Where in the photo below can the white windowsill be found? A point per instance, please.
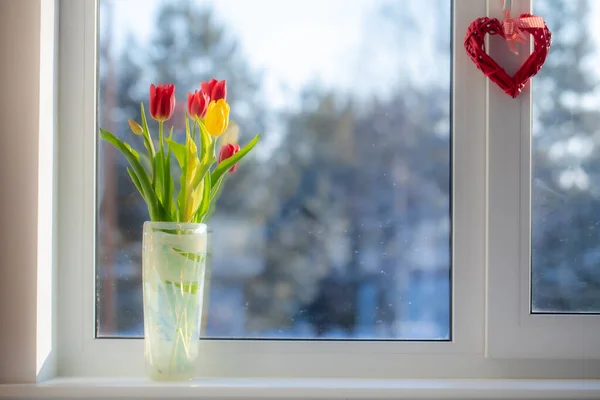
(260, 388)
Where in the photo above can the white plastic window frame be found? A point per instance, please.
(512, 330)
(81, 354)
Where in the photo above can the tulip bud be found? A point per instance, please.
(162, 101)
(135, 127)
(217, 117)
(227, 151)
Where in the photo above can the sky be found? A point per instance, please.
(297, 40)
(303, 40)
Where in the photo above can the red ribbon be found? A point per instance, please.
(512, 29)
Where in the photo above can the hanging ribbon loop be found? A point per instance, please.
(512, 27)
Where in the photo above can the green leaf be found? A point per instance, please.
(192, 179)
(145, 161)
(148, 141)
(201, 170)
(217, 188)
(158, 182)
(136, 182)
(234, 159)
(215, 193)
(206, 160)
(154, 208)
(145, 126)
(194, 201)
(148, 144)
(194, 131)
(182, 197)
(182, 153)
(172, 203)
(167, 179)
(132, 150)
(179, 150)
(205, 199)
(206, 145)
(187, 127)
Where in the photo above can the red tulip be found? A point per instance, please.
(197, 104)
(215, 89)
(227, 151)
(162, 101)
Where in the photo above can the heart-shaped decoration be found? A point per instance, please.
(475, 46)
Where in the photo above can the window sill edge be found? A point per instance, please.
(281, 388)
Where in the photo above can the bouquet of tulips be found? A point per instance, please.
(202, 172)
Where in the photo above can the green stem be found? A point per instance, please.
(161, 137)
(213, 146)
(166, 170)
(180, 315)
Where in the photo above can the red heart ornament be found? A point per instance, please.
(475, 46)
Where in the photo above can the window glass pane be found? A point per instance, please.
(566, 162)
(338, 225)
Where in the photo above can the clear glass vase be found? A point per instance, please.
(174, 260)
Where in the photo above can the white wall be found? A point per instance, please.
(26, 110)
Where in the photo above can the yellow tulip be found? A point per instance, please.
(217, 117)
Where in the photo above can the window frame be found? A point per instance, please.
(473, 320)
(513, 331)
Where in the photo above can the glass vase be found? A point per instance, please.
(207, 278)
(174, 260)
